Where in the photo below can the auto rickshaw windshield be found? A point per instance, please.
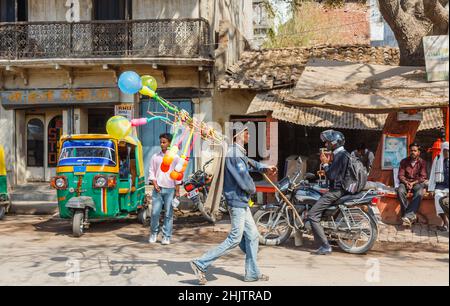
(89, 153)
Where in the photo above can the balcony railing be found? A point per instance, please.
(175, 38)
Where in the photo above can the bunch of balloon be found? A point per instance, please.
(119, 127)
(169, 158)
(131, 83)
(178, 173)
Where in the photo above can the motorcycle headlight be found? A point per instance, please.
(100, 182)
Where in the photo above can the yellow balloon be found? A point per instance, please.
(150, 82)
(145, 91)
(118, 127)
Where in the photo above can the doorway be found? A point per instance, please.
(112, 39)
(35, 151)
(97, 119)
(8, 10)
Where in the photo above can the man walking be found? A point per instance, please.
(238, 187)
(165, 189)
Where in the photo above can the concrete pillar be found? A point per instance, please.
(83, 113)
(20, 151)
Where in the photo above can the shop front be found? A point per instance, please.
(42, 116)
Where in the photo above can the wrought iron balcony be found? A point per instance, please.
(174, 38)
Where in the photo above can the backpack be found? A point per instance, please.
(356, 177)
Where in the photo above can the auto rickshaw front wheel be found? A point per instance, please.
(143, 216)
(78, 223)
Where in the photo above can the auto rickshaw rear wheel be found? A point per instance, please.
(78, 223)
(2, 211)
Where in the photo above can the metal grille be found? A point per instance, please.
(179, 38)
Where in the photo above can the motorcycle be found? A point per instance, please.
(351, 221)
(197, 187)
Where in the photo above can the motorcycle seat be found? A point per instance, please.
(350, 197)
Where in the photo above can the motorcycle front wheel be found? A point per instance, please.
(269, 232)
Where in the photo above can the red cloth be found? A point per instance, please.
(409, 173)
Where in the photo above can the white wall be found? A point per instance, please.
(165, 9)
(55, 10)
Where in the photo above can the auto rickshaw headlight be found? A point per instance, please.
(100, 182)
(59, 182)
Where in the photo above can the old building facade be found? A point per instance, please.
(60, 61)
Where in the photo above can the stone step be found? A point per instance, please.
(34, 207)
(33, 196)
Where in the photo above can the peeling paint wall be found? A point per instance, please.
(55, 10)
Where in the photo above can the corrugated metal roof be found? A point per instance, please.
(367, 88)
(281, 68)
(321, 117)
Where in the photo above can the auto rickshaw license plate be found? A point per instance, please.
(79, 170)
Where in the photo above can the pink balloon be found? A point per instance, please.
(139, 122)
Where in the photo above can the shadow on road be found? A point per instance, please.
(181, 268)
(64, 227)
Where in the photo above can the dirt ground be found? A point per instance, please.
(41, 251)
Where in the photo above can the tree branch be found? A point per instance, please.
(438, 15)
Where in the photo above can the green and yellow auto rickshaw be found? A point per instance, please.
(5, 201)
(99, 178)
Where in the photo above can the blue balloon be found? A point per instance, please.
(130, 83)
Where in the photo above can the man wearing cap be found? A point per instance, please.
(238, 188)
(439, 181)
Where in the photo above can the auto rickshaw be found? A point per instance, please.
(5, 201)
(99, 178)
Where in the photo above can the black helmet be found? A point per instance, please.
(334, 138)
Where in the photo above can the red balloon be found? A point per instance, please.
(165, 168)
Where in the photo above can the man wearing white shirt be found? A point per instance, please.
(165, 189)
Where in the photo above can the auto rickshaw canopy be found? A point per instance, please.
(2, 162)
(129, 140)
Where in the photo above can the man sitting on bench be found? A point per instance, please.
(412, 176)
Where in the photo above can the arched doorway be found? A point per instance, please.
(35, 148)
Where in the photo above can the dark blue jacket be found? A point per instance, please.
(238, 184)
(336, 172)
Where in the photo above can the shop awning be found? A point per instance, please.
(366, 88)
(274, 102)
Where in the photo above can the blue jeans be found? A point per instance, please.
(243, 233)
(160, 199)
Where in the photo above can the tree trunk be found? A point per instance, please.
(408, 30)
(411, 20)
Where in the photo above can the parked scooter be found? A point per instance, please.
(351, 222)
(197, 187)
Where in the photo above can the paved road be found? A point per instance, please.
(40, 251)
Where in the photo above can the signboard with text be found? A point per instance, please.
(436, 57)
(124, 110)
(26, 98)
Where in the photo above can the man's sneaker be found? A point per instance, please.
(323, 251)
(153, 238)
(165, 241)
(262, 278)
(406, 221)
(199, 274)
